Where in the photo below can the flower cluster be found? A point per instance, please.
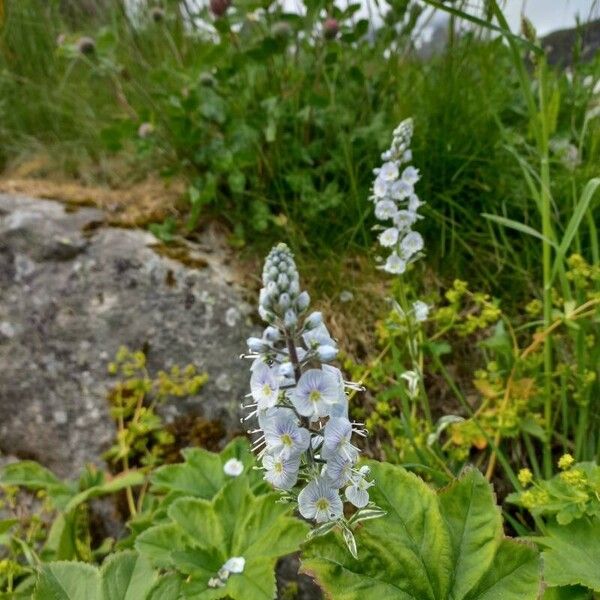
(393, 194)
(300, 401)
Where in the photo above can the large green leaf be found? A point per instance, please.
(572, 556)
(124, 576)
(427, 546)
(201, 474)
(205, 534)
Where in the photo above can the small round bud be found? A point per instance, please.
(283, 281)
(86, 45)
(331, 28)
(206, 79)
(266, 314)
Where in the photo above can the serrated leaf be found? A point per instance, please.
(572, 556)
(127, 576)
(426, 547)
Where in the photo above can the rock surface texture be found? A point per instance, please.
(71, 292)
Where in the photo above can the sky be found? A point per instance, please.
(549, 15)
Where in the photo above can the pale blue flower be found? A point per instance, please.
(338, 471)
(337, 440)
(410, 175)
(314, 394)
(380, 187)
(421, 310)
(319, 501)
(281, 473)
(264, 385)
(404, 219)
(327, 353)
(233, 467)
(389, 237)
(356, 492)
(394, 264)
(411, 244)
(414, 203)
(313, 320)
(388, 171)
(283, 434)
(319, 336)
(401, 189)
(385, 209)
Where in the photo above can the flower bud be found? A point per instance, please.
(326, 353)
(257, 345)
(145, 130)
(290, 320)
(284, 301)
(313, 320)
(283, 281)
(272, 334)
(303, 301)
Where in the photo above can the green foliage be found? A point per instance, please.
(201, 535)
(449, 545)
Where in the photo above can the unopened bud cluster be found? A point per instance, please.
(300, 401)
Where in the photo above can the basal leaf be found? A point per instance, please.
(572, 556)
(475, 526)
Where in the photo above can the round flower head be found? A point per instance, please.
(314, 394)
(283, 435)
(281, 473)
(411, 244)
(319, 501)
(264, 385)
(389, 237)
(385, 209)
(337, 436)
(394, 264)
(233, 467)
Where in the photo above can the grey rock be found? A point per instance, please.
(70, 294)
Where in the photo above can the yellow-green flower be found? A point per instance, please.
(525, 477)
(565, 461)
